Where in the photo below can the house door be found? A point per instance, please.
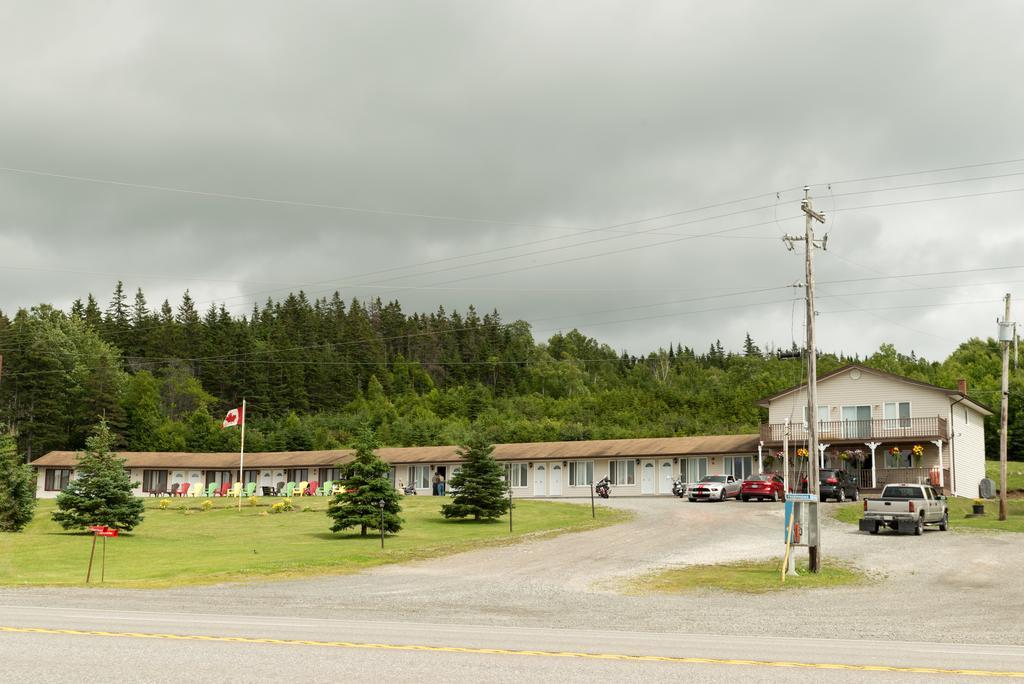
(555, 488)
(857, 422)
(665, 478)
(539, 480)
(647, 477)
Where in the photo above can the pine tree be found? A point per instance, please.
(101, 494)
(478, 489)
(364, 486)
(17, 487)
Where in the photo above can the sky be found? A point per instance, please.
(625, 168)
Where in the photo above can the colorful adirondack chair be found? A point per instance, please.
(211, 489)
(233, 490)
(311, 489)
(250, 489)
(325, 488)
(301, 489)
(289, 488)
(174, 489)
(184, 488)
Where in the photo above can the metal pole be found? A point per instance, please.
(103, 566)
(1003, 412)
(381, 504)
(241, 460)
(510, 509)
(593, 512)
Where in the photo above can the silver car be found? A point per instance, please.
(714, 488)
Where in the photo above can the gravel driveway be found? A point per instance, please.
(942, 586)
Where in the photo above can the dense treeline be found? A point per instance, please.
(314, 372)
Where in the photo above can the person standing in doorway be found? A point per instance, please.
(435, 484)
(440, 485)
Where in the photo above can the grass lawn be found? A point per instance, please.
(958, 510)
(175, 547)
(752, 577)
(1014, 474)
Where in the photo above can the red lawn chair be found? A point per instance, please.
(311, 489)
(184, 489)
(223, 491)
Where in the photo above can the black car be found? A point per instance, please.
(835, 484)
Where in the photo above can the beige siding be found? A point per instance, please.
(969, 446)
(868, 390)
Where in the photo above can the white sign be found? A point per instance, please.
(803, 497)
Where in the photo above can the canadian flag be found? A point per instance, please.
(234, 418)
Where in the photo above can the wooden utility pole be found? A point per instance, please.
(814, 558)
(1005, 335)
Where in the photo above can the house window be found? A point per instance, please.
(515, 474)
(219, 477)
(581, 473)
(897, 414)
(154, 480)
(330, 474)
(57, 479)
(622, 472)
(251, 476)
(822, 415)
(419, 476)
(740, 467)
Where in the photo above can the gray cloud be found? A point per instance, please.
(570, 114)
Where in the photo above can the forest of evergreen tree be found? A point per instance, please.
(314, 372)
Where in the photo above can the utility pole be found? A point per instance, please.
(1005, 335)
(814, 559)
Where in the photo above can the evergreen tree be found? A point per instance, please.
(365, 483)
(478, 489)
(17, 487)
(101, 494)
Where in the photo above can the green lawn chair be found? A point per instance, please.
(210, 489)
(325, 488)
(289, 488)
(250, 489)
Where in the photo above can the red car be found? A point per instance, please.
(761, 487)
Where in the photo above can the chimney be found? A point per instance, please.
(961, 386)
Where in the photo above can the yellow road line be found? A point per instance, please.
(515, 652)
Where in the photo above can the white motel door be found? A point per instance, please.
(539, 480)
(555, 488)
(647, 478)
(665, 478)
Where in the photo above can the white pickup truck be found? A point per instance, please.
(905, 508)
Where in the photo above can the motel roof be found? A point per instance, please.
(599, 448)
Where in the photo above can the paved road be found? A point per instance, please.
(553, 593)
(96, 645)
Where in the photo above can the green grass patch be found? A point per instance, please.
(749, 577)
(1014, 474)
(185, 545)
(959, 508)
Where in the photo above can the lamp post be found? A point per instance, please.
(381, 504)
(510, 508)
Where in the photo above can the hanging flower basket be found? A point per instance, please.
(801, 453)
(917, 452)
(894, 455)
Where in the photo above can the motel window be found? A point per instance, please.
(251, 476)
(622, 472)
(154, 480)
(515, 474)
(331, 474)
(897, 414)
(57, 479)
(298, 475)
(740, 467)
(419, 476)
(219, 477)
(581, 473)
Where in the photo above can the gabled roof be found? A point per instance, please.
(952, 394)
(651, 447)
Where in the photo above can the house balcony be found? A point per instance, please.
(885, 430)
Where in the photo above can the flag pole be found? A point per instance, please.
(241, 460)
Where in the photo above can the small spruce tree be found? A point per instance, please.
(17, 486)
(478, 489)
(101, 494)
(365, 483)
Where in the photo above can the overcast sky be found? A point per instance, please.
(509, 152)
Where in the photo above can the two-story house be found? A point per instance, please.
(884, 428)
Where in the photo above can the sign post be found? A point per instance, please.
(99, 531)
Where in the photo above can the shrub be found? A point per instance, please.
(278, 507)
(207, 505)
(253, 500)
(17, 487)
(165, 504)
(286, 504)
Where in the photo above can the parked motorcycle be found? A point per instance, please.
(679, 488)
(603, 488)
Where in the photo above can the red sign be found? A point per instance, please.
(108, 532)
(97, 528)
